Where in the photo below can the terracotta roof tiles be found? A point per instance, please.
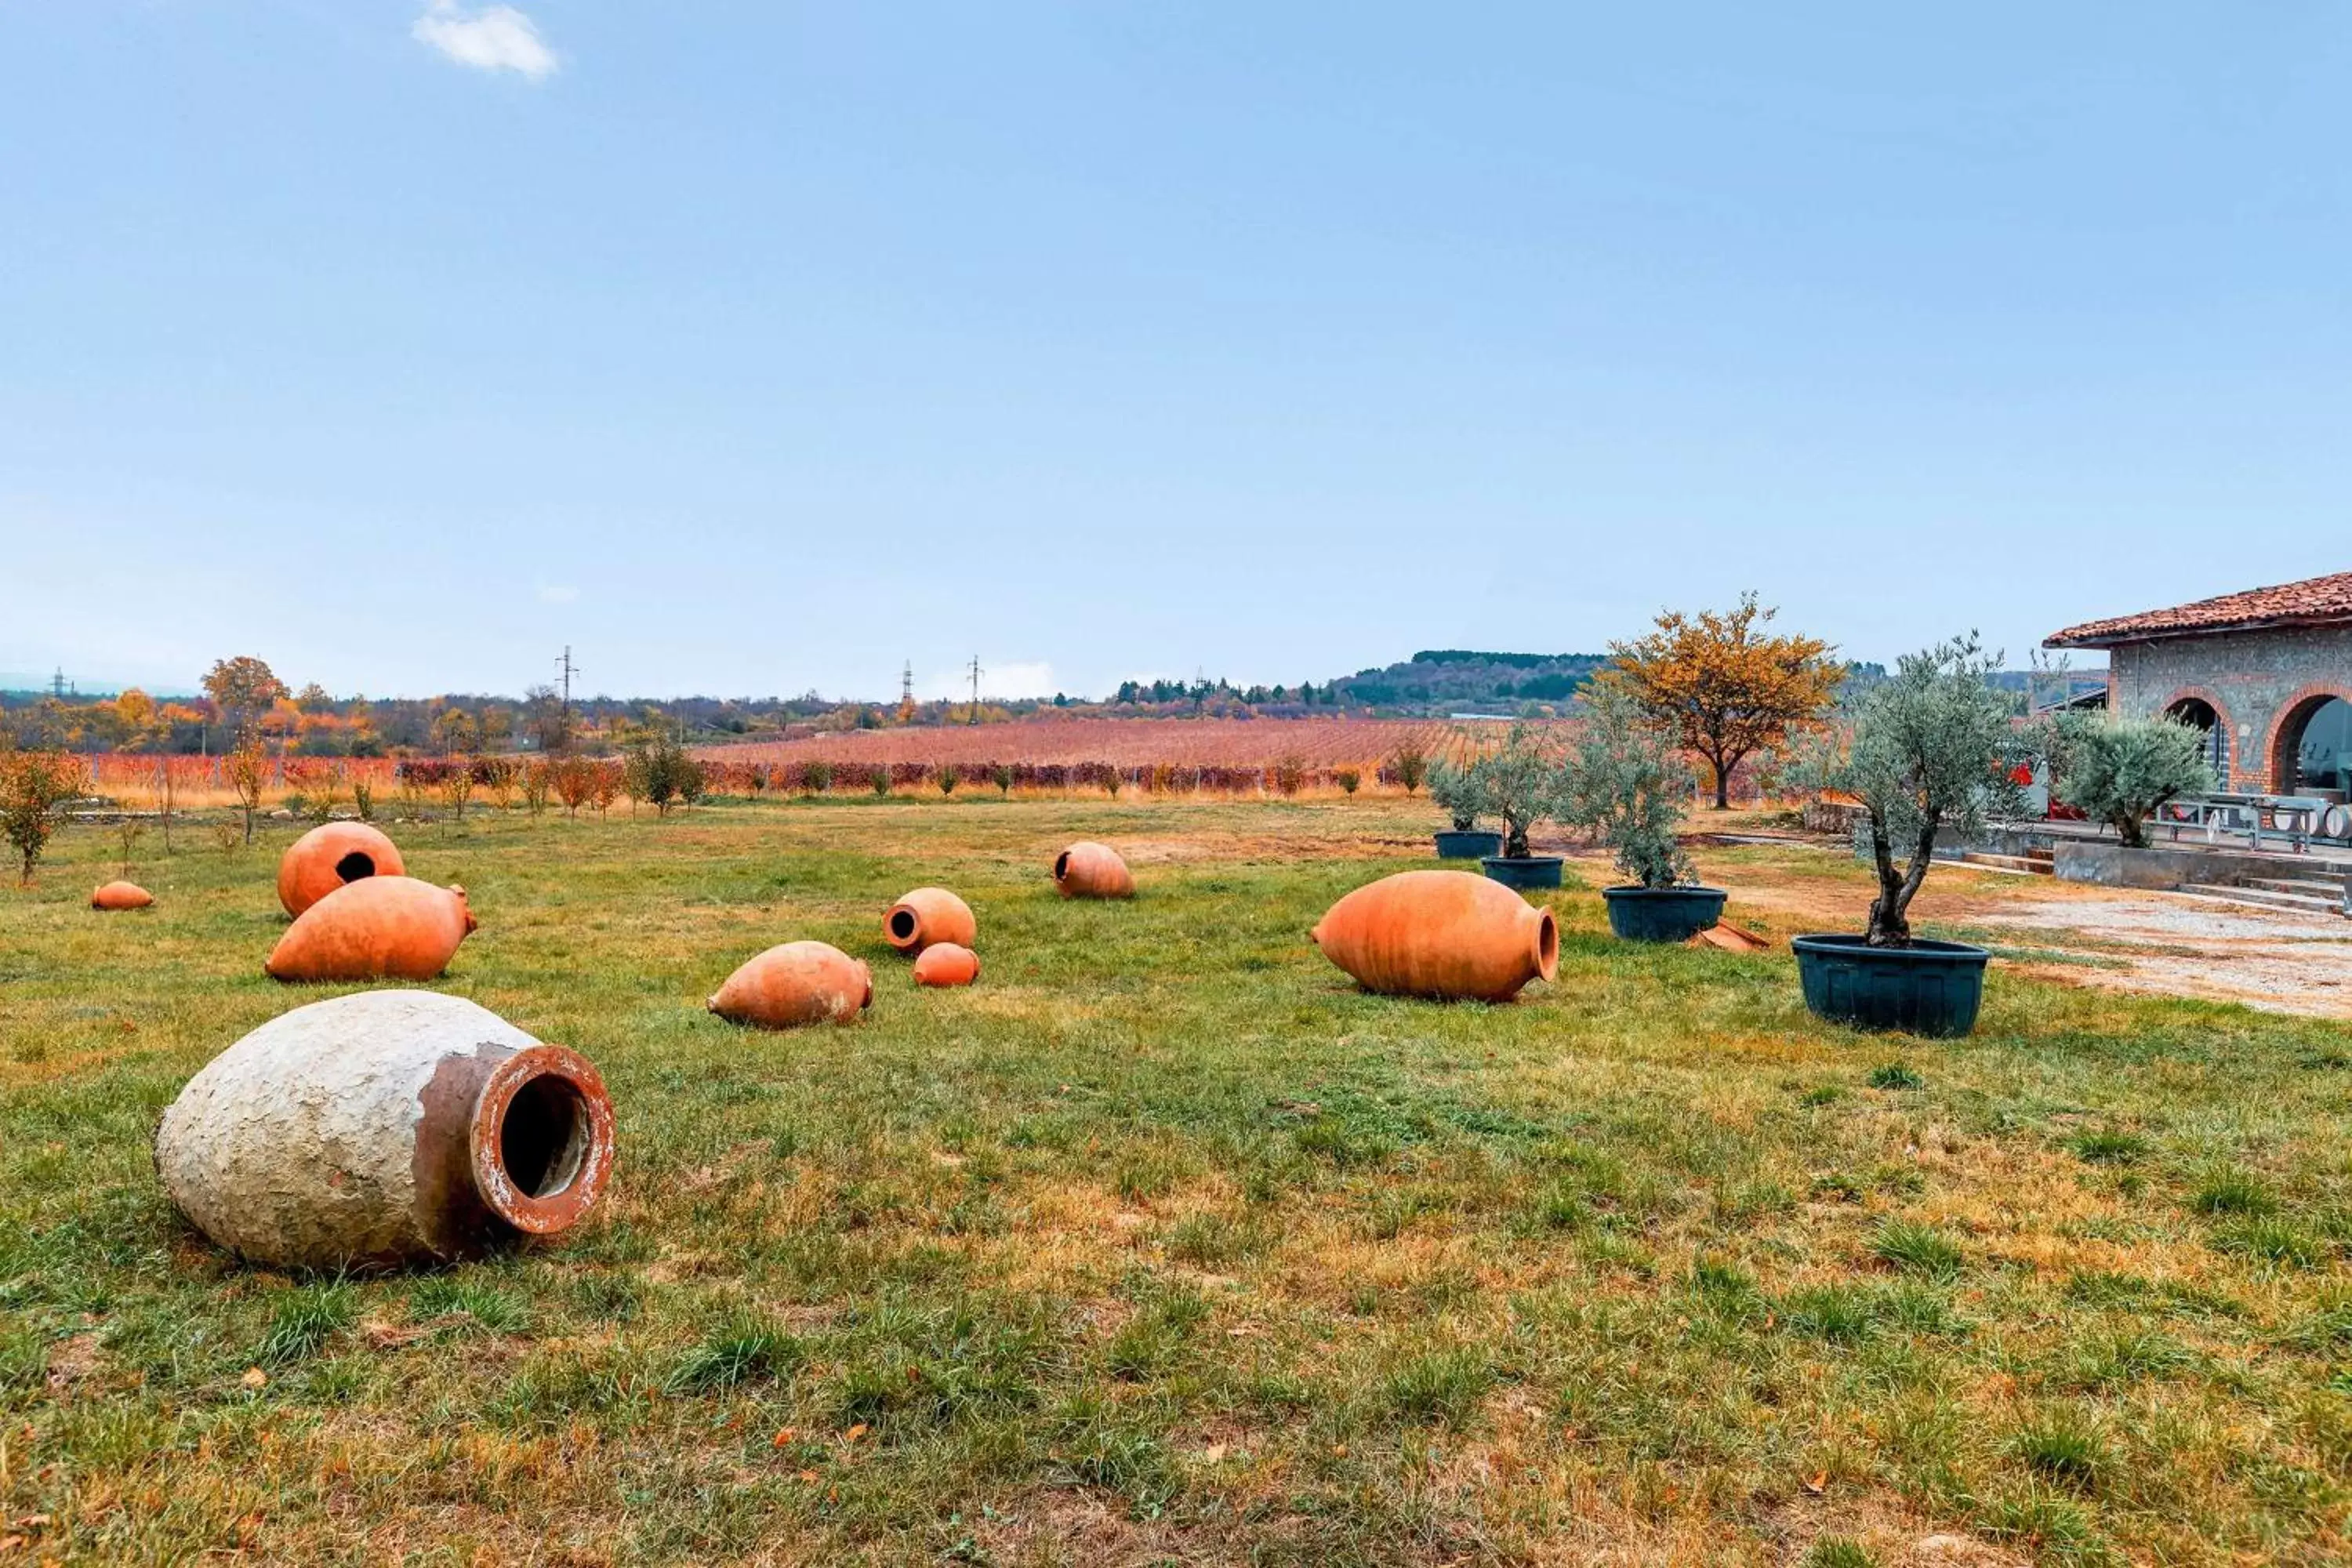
(2315, 599)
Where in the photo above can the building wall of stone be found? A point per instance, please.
(2258, 681)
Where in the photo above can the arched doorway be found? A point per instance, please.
(2314, 752)
(2199, 714)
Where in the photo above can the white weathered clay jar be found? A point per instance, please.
(382, 1128)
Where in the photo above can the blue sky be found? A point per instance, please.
(755, 347)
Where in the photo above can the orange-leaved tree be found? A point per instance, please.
(1723, 684)
(243, 688)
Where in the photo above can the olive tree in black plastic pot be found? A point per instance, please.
(1629, 785)
(1522, 783)
(1460, 791)
(1932, 752)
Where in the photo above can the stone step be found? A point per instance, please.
(2030, 865)
(2269, 899)
(2310, 886)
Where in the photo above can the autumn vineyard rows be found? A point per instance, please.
(1163, 757)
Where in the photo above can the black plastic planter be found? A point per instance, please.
(1662, 914)
(1467, 844)
(1523, 871)
(1927, 988)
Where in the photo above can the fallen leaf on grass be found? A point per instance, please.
(783, 1436)
(1818, 1482)
(255, 1377)
(379, 1335)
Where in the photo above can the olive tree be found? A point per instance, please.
(1627, 782)
(2119, 771)
(1520, 784)
(1460, 791)
(1932, 751)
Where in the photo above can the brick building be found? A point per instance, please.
(2267, 674)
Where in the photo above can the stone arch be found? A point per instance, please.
(2284, 744)
(2204, 708)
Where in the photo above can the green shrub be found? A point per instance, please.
(2119, 771)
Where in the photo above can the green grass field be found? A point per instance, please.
(1164, 1243)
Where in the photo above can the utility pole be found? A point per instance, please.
(58, 684)
(568, 669)
(975, 688)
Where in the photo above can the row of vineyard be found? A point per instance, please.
(1110, 755)
(1326, 746)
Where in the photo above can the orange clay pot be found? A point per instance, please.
(330, 856)
(946, 964)
(795, 984)
(121, 896)
(1089, 870)
(1447, 934)
(928, 915)
(380, 928)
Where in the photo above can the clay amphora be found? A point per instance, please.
(928, 915)
(382, 1128)
(121, 895)
(795, 984)
(330, 856)
(1089, 870)
(1446, 934)
(946, 964)
(381, 928)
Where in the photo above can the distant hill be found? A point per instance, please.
(1453, 678)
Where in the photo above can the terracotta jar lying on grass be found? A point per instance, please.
(795, 984)
(330, 856)
(1443, 934)
(1090, 870)
(929, 915)
(947, 963)
(122, 895)
(383, 928)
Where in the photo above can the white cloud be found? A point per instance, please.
(557, 594)
(1033, 678)
(495, 38)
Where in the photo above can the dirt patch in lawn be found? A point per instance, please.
(2147, 943)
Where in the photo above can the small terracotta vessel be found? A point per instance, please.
(330, 856)
(946, 964)
(382, 1128)
(929, 915)
(1446, 934)
(380, 928)
(795, 984)
(121, 895)
(1090, 870)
